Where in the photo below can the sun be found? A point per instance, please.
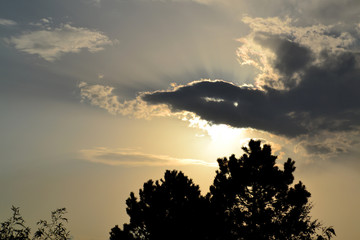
(223, 134)
(225, 140)
(222, 140)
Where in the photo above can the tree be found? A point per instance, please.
(251, 198)
(171, 208)
(14, 228)
(254, 199)
(117, 234)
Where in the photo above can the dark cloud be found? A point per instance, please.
(323, 149)
(291, 58)
(325, 98)
(221, 102)
(285, 51)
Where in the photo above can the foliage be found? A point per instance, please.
(14, 228)
(256, 200)
(54, 230)
(251, 198)
(171, 208)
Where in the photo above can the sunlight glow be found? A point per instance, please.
(223, 134)
(224, 140)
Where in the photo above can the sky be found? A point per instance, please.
(99, 96)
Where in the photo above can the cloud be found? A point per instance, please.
(239, 106)
(131, 157)
(273, 42)
(325, 99)
(341, 147)
(51, 43)
(301, 89)
(7, 22)
(103, 97)
(304, 90)
(316, 37)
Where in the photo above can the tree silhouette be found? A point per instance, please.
(251, 198)
(254, 199)
(171, 208)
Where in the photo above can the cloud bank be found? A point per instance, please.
(51, 43)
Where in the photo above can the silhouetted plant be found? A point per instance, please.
(117, 234)
(54, 230)
(171, 208)
(14, 228)
(251, 199)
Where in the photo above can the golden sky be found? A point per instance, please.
(98, 96)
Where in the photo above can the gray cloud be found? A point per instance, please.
(7, 22)
(285, 63)
(221, 102)
(322, 149)
(285, 51)
(51, 43)
(324, 99)
(329, 145)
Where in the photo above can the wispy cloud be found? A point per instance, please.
(51, 43)
(131, 157)
(103, 97)
(7, 22)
